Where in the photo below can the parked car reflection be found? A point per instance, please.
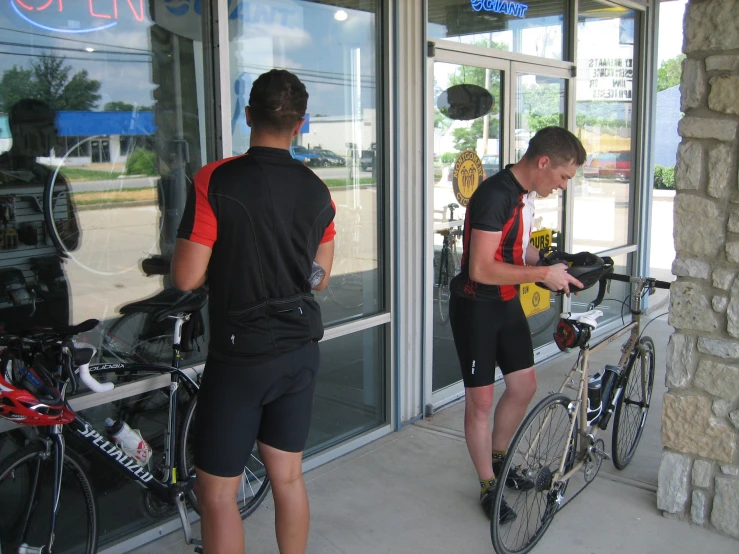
(327, 158)
(608, 165)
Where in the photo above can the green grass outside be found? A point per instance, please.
(77, 174)
(332, 183)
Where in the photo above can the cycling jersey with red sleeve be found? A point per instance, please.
(500, 203)
(264, 214)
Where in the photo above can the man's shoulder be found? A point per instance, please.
(499, 186)
(205, 173)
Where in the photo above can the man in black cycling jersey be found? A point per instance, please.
(252, 228)
(485, 313)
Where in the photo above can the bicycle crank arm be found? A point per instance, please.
(186, 528)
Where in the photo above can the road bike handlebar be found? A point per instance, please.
(627, 279)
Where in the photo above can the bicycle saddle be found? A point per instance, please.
(588, 318)
(191, 302)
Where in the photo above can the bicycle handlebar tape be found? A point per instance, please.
(662, 284)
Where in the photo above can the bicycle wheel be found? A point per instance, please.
(536, 452)
(121, 221)
(26, 503)
(446, 272)
(254, 481)
(633, 405)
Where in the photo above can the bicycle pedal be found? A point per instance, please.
(199, 549)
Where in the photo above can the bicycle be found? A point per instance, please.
(449, 264)
(558, 438)
(44, 476)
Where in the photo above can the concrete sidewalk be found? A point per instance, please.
(415, 491)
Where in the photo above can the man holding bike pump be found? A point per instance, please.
(252, 228)
(487, 320)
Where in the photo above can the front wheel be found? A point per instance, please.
(636, 385)
(541, 443)
(26, 503)
(254, 481)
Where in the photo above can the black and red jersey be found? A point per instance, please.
(500, 203)
(264, 214)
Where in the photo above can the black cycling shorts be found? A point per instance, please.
(268, 401)
(489, 332)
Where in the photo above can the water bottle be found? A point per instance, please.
(595, 402)
(129, 440)
(611, 374)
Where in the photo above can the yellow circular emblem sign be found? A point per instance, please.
(467, 176)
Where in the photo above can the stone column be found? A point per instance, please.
(699, 471)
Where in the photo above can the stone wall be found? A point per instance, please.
(699, 471)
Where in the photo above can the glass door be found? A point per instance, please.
(482, 111)
(466, 143)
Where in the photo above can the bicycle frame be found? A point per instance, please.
(580, 402)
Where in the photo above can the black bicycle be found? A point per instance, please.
(449, 264)
(45, 485)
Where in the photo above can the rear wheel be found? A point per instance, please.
(26, 503)
(536, 453)
(254, 480)
(633, 404)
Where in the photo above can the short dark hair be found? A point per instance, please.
(278, 100)
(559, 144)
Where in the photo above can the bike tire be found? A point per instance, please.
(103, 227)
(29, 469)
(551, 414)
(255, 483)
(629, 423)
(442, 290)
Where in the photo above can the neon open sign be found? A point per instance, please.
(80, 16)
(500, 6)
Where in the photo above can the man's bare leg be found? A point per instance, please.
(520, 387)
(478, 405)
(221, 526)
(292, 512)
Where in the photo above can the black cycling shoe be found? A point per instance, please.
(506, 512)
(514, 480)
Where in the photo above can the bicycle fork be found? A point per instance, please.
(54, 448)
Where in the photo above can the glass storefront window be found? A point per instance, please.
(603, 190)
(103, 102)
(350, 388)
(533, 27)
(333, 50)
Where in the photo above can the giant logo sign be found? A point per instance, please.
(500, 6)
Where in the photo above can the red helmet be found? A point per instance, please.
(43, 406)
